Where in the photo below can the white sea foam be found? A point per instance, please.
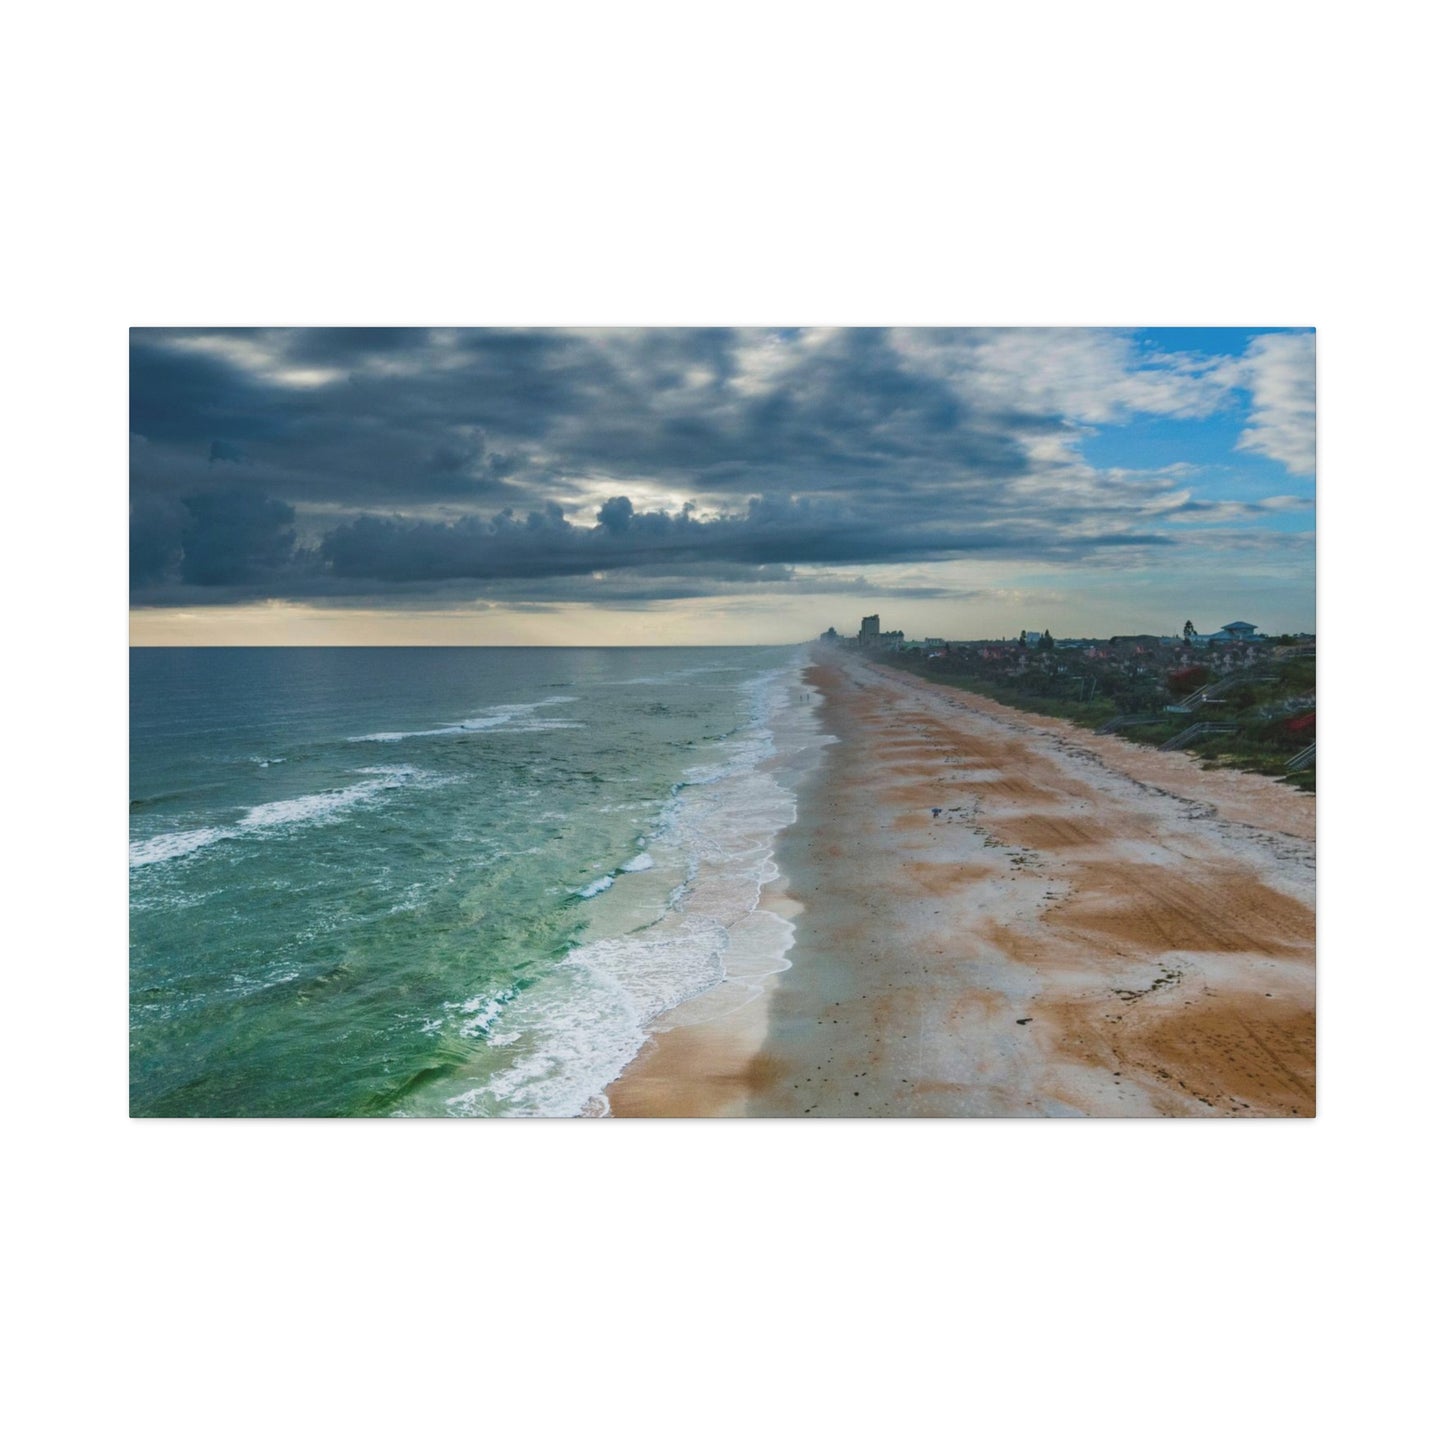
(317, 807)
(477, 1015)
(165, 846)
(246, 986)
(584, 1023)
(671, 679)
(639, 864)
(596, 886)
(512, 717)
(578, 1031)
(283, 814)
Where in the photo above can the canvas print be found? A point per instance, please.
(757, 723)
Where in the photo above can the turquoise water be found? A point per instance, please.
(435, 880)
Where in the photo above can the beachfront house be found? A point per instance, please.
(1235, 632)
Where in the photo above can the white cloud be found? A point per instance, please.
(1279, 370)
(1092, 377)
(257, 356)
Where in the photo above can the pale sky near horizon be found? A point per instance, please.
(671, 486)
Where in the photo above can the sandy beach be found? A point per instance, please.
(1000, 915)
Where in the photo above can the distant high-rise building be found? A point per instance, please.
(869, 631)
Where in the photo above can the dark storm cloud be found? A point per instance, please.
(188, 397)
(355, 417)
(212, 539)
(232, 537)
(771, 531)
(347, 346)
(156, 525)
(309, 462)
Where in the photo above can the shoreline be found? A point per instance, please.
(705, 1058)
(1084, 928)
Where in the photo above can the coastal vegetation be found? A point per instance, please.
(1248, 705)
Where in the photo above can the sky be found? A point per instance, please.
(716, 486)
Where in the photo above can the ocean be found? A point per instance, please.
(442, 881)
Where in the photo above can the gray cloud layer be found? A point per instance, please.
(315, 462)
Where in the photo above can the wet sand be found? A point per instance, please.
(1085, 927)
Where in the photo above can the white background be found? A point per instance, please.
(1256, 164)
